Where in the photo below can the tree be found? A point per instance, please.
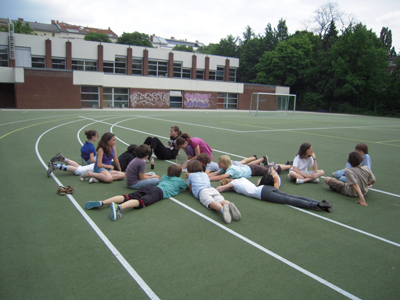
(386, 39)
(225, 47)
(359, 65)
(250, 54)
(281, 33)
(327, 13)
(247, 35)
(183, 48)
(97, 36)
(330, 37)
(135, 39)
(20, 28)
(285, 65)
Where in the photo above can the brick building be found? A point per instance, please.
(45, 72)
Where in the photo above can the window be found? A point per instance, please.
(58, 63)
(137, 66)
(108, 66)
(158, 68)
(3, 56)
(38, 62)
(84, 65)
(199, 74)
(227, 101)
(89, 96)
(220, 73)
(180, 72)
(120, 65)
(211, 75)
(177, 70)
(115, 97)
(232, 74)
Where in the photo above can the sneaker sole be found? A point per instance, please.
(113, 215)
(226, 214)
(235, 212)
(92, 204)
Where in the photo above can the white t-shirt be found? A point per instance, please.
(247, 188)
(302, 164)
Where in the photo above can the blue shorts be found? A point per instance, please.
(99, 170)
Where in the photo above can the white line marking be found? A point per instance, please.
(280, 258)
(106, 241)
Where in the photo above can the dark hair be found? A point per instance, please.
(142, 151)
(204, 158)
(355, 158)
(194, 166)
(267, 179)
(176, 129)
(174, 170)
(103, 143)
(303, 149)
(182, 139)
(363, 147)
(132, 148)
(90, 133)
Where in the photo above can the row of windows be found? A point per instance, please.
(155, 67)
(119, 97)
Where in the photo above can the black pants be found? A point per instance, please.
(159, 149)
(271, 194)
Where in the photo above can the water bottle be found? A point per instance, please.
(152, 163)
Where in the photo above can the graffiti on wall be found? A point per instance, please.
(196, 100)
(152, 99)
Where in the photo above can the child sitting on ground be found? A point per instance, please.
(169, 186)
(227, 170)
(200, 185)
(136, 176)
(361, 148)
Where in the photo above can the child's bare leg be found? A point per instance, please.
(103, 176)
(115, 199)
(285, 167)
(247, 160)
(257, 161)
(72, 163)
(130, 204)
(218, 205)
(116, 175)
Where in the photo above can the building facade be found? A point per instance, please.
(59, 73)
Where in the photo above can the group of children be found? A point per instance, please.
(103, 164)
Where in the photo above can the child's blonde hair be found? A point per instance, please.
(225, 160)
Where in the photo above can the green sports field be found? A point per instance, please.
(52, 248)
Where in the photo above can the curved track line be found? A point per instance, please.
(106, 241)
(280, 258)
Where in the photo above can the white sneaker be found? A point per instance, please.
(93, 180)
(299, 181)
(316, 180)
(227, 215)
(235, 212)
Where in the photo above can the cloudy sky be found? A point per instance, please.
(206, 20)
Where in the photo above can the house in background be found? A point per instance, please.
(68, 31)
(61, 29)
(164, 43)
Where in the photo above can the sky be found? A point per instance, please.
(206, 21)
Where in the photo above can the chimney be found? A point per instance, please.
(53, 22)
(172, 37)
(20, 19)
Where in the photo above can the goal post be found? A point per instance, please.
(272, 102)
